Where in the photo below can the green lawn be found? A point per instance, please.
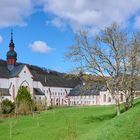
(75, 123)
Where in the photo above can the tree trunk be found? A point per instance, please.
(118, 108)
(117, 105)
(132, 100)
(127, 104)
(131, 94)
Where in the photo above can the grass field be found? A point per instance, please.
(75, 123)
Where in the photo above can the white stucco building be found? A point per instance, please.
(95, 94)
(53, 87)
(42, 84)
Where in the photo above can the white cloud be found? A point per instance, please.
(1, 39)
(13, 12)
(57, 23)
(40, 46)
(90, 14)
(137, 22)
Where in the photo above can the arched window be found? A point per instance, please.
(25, 84)
(51, 101)
(62, 101)
(104, 98)
(57, 101)
(109, 99)
(13, 92)
(121, 97)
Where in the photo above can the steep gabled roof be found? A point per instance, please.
(88, 89)
(47, 78)
(4, 92)
(4, 73)
(37, 91)
(52, 78)
(15, 72)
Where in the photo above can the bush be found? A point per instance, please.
(24, 103)
(50, 107)
(7, 106)
(39, 106)
(24, 108)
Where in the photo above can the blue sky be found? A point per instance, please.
(37, 30)
(43, 29)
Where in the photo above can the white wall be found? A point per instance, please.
(37, 84)
(25, 79)
(106, 98)
(57, 94)
(4, 83)
(83, 100)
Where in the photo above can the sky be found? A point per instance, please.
(44, 29)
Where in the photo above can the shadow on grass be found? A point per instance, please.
(1, 121)
(136, 103)
(92, 119)
(122, 110)
(17, 133)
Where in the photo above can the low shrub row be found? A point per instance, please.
(23, 104)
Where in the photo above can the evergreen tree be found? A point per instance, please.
(24, 101)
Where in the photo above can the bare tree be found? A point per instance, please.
(131, 71)
(105, 55)
(1, 98)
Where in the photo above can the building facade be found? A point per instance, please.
(53, 87)
(42, 84)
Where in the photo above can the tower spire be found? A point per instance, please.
(12, 35)
(11, 54)
(12, 45)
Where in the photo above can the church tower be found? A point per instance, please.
(11, 54)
